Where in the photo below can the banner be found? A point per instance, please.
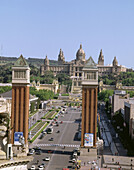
(17, 137)
(88, 140)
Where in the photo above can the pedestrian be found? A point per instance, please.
(84, 163)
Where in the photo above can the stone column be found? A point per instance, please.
(12, 115)
(17, 111)
(22, 109)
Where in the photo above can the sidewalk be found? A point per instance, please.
(112, 143)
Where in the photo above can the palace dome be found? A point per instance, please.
(80, 55)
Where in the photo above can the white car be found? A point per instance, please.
(33, 167)
(47, 158)
(41, 167)
(75, 154)
(73, 160)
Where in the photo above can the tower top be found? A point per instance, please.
(21, 72)
(90, 64)
(90, 73)
(21, 62)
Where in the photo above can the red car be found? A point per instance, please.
(61, 122)
(50, 151)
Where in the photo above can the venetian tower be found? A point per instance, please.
(89, 105)
(20, 100)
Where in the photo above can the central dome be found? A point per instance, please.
(80, 55)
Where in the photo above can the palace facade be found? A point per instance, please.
(74, 67)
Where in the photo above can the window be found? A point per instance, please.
(91, 76)
(79, 83)
(19, 74)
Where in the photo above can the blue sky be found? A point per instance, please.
(35, 28)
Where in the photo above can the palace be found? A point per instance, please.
(74, 67)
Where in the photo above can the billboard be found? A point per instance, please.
(88, 140)
(17, 137)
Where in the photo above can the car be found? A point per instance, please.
(58, 131)
(61, 122)
(51, 139)
(33, 167)
(42, 135)
(42, 166)
(50, 151)
(47, 158)
(31, 152)
(73, 160)
(38, 152)
(75, 154)
(37, 148)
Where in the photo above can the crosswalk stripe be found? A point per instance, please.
(67, 145)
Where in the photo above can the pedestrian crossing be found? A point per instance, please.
(57, 145)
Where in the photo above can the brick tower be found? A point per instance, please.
(89, 105)
(20, 101)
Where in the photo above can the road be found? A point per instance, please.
(59, 158)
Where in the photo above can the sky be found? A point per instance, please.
(36, 28)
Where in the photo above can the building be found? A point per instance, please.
(117, 86)
(74, 67)
(53, 87)
(129, 116)
(89, 107)
(118, 99)
(5, 114)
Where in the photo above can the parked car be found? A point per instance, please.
(47, 158)
(51, 139)
(33, 167)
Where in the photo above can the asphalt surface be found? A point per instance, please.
(59, 157)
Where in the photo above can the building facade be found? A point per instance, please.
(74, 67)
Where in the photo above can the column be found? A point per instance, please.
(26, 113)
(95, 118)
(17, 110)
(21, 109)
(12, 115)
(87, 111)
(91, 111)
(83, 117)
